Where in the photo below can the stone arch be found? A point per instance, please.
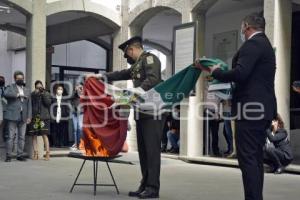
(24, 6)
(201, 6)
(159, 47)
(144, 12)
(101, 12)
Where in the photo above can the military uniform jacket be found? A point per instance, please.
(145, 73)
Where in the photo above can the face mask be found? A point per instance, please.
(20, 82)
(129, 59)
(79, 92)
(59, 92)
(2, 83)
(243, 37)
(176, 114)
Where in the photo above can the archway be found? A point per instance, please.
(13, 39)
(155, 25)
(79, 41)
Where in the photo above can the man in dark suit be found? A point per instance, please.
(145, 72)
(1, 111)
(254, 101)
(3, 126)
(18, 114)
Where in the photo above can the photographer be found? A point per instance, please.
(278, 151)
(41, 102)
(296, 86)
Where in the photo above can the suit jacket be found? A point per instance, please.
(281, 141)
(253, 74)
(15, 104)
(1, 111)
(145, 73)
(3, 100)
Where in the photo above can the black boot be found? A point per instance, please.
(149, 193)
(21, 158)
(136, 193)
(164, 148)
(279, 170)
(8, 159)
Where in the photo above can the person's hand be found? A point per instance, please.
(41, 89)
(169, 124)
(97, 76)
(173, 131)
(214, 67)
(198, 65)
(28, 121)
(296, 89)
(79, 88)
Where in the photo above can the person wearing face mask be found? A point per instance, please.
(3, 102)
(2, 86)
(40, 124)
(254, 102)
(1, 112)
(59, 118)
(278, 151)
(77, 116)
(18, 114)
(145, 72)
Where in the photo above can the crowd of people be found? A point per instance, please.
(36, 113)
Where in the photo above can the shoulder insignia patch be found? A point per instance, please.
(150, 60)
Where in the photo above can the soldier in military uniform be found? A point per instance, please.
(145, 72)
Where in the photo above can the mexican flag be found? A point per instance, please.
(173, 90)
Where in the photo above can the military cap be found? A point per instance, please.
(132, 40)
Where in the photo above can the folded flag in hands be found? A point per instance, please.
(222, 90)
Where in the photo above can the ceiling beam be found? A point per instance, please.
(12, 28)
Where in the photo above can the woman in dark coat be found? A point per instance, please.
(41, 102)
(278, 151)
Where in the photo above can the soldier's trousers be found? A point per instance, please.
(149, 132)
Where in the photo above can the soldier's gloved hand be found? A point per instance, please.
(198, 65)
(97, 76)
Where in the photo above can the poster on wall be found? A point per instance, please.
(225, 46)
(184, 46)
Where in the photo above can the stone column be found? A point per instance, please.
(49, 52)
(36, 53)
(278, 15)
(185, 126)
(191, 129)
